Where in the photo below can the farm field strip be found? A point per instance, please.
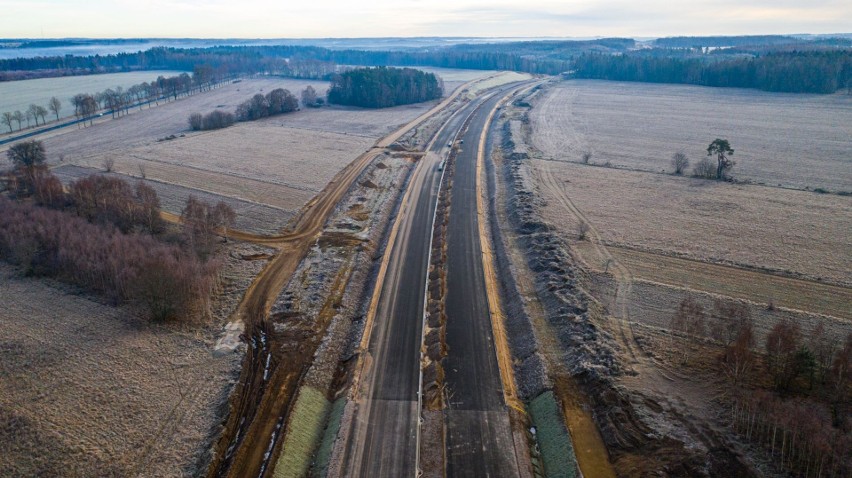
(758, 287)
(795, 140)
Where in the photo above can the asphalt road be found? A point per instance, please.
(383, 440)
(479, 436)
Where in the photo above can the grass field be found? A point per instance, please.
(655, 239)
(785, 230)
(87, 389)
(19, 95)
(789, 139)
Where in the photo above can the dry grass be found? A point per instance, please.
(762, 227)
(349, 120)
(262, 152)
(789, 139)
(88, 390)
(757, 287)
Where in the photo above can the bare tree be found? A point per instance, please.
(738, 359)
(196, 121)
(142, 172)
(31, 114)
(782, 342)
(729, 318)
(586, 156)
(28, 157)
(680, 162)
(41, 112)
(7, 119)
(689, 320)
(149, 205)
(55, 106)
(109, 164)
(224, 217)
(309, 97)
(18, 117)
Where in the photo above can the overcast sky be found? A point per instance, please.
(378, 18)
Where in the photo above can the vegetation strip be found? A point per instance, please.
(304, 431)
(556, 449)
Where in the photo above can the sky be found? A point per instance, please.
(412, 18)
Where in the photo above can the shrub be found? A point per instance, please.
(195, 121)
(704, 169)
(212, 120)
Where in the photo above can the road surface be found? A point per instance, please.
(383, 440)
(478, 434)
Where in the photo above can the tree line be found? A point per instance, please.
(804, 420)
(793, 72)
(305, 62)
(118, 100)
(106, 236)
(382, 87)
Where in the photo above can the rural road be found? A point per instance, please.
(383, 440)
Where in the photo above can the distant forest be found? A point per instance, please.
(769, 62)
(382, 87)
(794, 72)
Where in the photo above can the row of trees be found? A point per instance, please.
(797, 433)
(161, 277)
(795, 71)
(107, 236)
(288, 60)
(118, 100)
(383, 87)
(32, 114)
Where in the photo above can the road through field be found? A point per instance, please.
(270, 376)
(383, 439)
